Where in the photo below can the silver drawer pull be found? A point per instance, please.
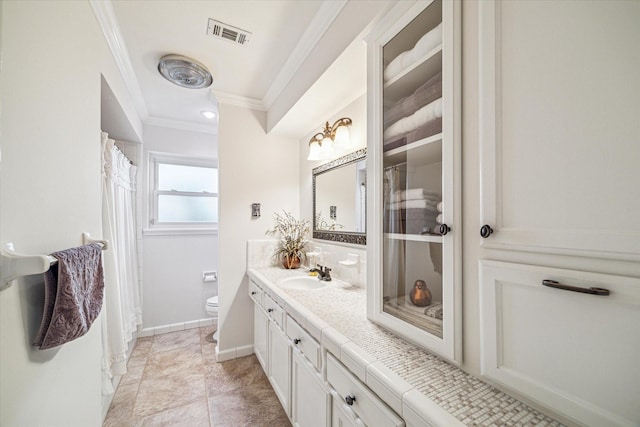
(592, 291)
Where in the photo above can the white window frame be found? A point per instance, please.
(155, 227)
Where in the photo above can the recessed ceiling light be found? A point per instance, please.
(208, 114)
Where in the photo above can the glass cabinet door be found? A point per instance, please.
(416, 173)
(412, 173)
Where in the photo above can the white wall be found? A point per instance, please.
(254, 168)
(50, 193)
(172, 265)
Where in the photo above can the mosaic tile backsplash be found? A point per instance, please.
(467, 398)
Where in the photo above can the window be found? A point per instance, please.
(184, 192)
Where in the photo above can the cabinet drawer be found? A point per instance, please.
(304, 342)
(274, 311)
(366, 405)
(255, 293)
(574, 352)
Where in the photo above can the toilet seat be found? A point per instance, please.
(212, 302)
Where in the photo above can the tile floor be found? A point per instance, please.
(174, 380)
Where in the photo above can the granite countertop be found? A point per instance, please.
(337, 314)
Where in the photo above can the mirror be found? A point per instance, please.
(339, 199)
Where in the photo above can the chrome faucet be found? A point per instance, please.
(324, 273)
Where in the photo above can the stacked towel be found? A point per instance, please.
(428, 92)
(418, 209)
(407, 58)
(434, 310)
(73, 295)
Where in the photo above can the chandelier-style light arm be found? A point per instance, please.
(345, 121)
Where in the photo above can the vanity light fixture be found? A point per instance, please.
(332, 140)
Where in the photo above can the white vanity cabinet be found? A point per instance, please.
(311, 400)
(260, 326)
(414, 229)
(279, 350)
(354, 403)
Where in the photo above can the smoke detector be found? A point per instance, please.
(184, 72)
(228, 32)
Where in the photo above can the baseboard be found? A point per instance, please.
(233, 353)
(193, 324)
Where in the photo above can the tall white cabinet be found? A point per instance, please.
(560, 149)
(413, 232)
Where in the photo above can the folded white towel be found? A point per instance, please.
(410, 123)
(419, 193)
(414, 204)
(426, 43)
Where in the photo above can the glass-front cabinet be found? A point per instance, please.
(414, 146)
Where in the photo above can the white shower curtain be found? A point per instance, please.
(123, 310)
(394, 253)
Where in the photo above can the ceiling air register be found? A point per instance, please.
(184, 72)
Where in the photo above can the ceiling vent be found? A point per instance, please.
(227, 32)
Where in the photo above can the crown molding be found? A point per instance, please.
(103, 9)
(239, 101)
(181, 125)
(327, 13)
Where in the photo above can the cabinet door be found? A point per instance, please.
(415, 165)
(574, 352)
(342, 416)
(311, 401)
(280, 365)
(260, 333)
(559, 110)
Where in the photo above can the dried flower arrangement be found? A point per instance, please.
(292, 235)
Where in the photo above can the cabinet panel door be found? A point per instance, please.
(559, 127)
(310, 401)
(260, 332)
(342, 416)
(280, 365)
(574, 352)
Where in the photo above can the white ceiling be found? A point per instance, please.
(309, 51)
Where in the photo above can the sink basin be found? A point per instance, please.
(302, 283)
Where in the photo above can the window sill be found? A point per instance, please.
(178, 231)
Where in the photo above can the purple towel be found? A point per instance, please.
(73, 295)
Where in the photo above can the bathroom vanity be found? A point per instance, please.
(331, 366)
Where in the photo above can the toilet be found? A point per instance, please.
(212, 309)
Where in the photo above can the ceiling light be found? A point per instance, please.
(208, 114)
(184, 72)
(331, 140)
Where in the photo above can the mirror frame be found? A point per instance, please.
(336, 236)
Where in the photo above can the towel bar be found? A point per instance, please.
(14, 265)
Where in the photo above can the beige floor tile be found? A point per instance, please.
(174, 380)
(173, 340)
(252, 406)
(135, 369)
(232, 375)
(168, 391)
(181, 360)
(193, 415)
(121, 410)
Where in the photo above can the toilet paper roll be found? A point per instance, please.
(439, 219)
(439, 207)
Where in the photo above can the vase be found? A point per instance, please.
(290, 262)
(420, 294)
